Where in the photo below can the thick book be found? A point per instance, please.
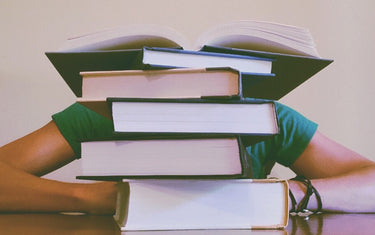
(165, 83)
(194, 116)
(223, 157)
(202, 204)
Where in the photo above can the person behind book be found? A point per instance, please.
(344, 179)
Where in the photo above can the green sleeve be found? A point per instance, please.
(295, 134)
(78, 123)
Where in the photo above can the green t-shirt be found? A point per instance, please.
(78, 123)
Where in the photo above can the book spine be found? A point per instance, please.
(191, 100)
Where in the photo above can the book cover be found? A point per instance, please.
(290, 72)
(69, 64)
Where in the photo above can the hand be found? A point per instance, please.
(98, 198)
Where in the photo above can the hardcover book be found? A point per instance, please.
(193, 116)
(202, 204)
(157, 57)
(221, 157)
(165, 83)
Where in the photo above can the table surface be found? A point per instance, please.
(84, 224)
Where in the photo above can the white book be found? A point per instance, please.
(209, 157)
(194, 116)
(202, 204)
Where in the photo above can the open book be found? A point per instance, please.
(290, 50)
(254, 35)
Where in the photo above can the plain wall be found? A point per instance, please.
(339, 98)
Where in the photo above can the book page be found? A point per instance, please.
(253, 35)
(262, 36)
(127, 37)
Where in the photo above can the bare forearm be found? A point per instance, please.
(352, 192)
(23, 192)
(39, 152)
(42, 151)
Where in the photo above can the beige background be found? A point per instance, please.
(339, 98)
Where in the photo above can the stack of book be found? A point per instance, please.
(183, 118)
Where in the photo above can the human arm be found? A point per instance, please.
(344, 178)
(42, 151)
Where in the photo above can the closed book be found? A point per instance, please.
(223, 157)
(193, 116)
(170, 204)
(157, 57)
(165, 83)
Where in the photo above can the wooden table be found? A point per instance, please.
(330, 224)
